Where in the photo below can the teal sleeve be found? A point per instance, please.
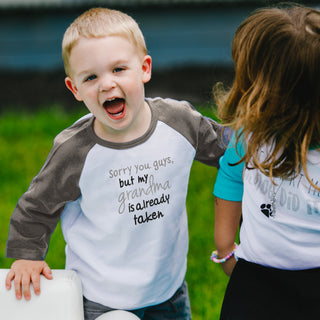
(229, 183)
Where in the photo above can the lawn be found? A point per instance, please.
(25, 140)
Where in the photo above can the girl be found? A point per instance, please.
(270, 175)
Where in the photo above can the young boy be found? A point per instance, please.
(117, 178)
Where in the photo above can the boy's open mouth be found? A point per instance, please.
(115, 108)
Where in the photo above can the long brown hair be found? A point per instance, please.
(275, 97)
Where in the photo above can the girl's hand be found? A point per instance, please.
(228, 266)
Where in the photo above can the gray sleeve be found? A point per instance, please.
(38, 210)
(212, 142)
(204, 134)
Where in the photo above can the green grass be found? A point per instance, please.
(25, 140)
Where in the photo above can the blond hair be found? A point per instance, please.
(101, 22)
(275, 97)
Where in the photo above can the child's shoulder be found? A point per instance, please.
(74, 131)
(172, 111)
(71, 145)
(180, 116)
(169, 104)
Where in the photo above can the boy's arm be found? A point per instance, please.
(32, 223)
(30, 228)
(212, 141)
(23, 272)
(37, 214)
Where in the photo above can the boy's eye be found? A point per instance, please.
(119, 69)
(90, 78)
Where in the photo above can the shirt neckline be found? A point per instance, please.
(128, 144)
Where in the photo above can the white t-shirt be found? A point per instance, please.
(288, 238)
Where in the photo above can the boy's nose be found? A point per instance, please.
(106, 83)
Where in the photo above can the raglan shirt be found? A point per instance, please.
(288, 238)
(122, 205)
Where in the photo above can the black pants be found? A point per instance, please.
(256, 292)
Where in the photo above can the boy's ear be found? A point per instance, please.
(146, 68)
(71, 86)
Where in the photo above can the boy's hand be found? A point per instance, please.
(23, 272)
